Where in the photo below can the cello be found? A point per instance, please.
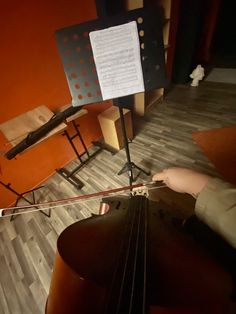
(117, 263)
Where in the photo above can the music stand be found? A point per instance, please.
(129, 165)
(79, 66)
(22, 196)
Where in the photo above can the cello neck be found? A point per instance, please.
(129, 285)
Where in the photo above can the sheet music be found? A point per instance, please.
(116, 52)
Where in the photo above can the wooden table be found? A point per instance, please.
(16, 129)
(75, 116)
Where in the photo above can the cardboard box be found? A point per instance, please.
(111, 126)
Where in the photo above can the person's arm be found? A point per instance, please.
(216, 199)
(216, 206)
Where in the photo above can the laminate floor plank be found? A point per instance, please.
(8, 285)
(39, 295)
(21, 228)
(3, 303)
(39, 263)
(7, 251)
(26, 297)
(46, 250)
(24, 263)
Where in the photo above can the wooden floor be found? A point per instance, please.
(163, 139)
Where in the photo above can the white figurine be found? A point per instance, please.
(197, 75)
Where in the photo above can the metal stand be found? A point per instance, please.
(152, 59)
(106, 147)
(22, 196)
(70, 175)
(129, 165)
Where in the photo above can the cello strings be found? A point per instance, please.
(145, 260)
(134, 271)
(129, 241)
(24, 209)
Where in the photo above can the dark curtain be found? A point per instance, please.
(197, 27)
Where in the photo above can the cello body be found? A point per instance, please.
(94, 274)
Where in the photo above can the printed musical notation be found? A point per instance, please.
(116, 52)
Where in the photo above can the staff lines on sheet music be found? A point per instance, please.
(123, 88)
(117, 64)
(124, 79)
(121, 41)
(115, 53)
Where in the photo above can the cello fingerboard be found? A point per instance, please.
(129, 285)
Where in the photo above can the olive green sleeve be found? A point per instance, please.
(216, 206)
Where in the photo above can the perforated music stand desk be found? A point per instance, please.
(76, 54)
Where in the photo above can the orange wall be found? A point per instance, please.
(32, 75)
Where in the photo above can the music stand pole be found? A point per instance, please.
(129, 165)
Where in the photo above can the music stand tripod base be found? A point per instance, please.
(21, 196)
(132, 165)
(71, 178)
(129, 165)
